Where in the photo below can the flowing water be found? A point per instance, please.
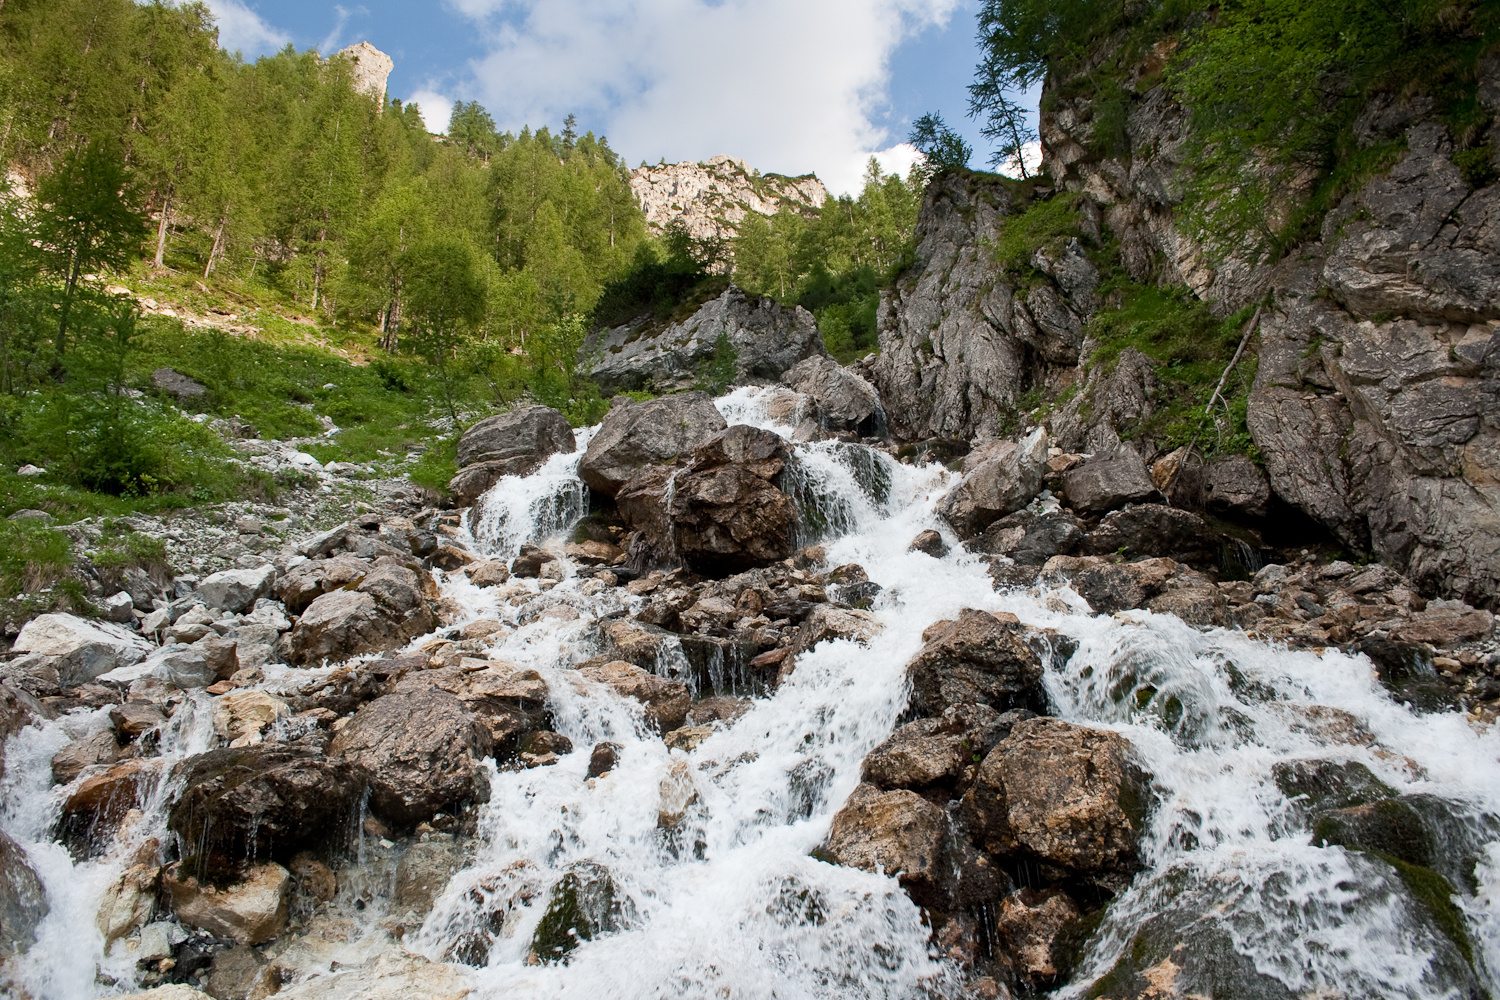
(699, 865)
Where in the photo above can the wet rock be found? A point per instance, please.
(99, 748)
(1445, 627)
(604, 759)
(236, 590)
(655, 432)
(95, 809)
(172, 991)
(420, 750)
(529, 562)
(1329, 784)
(127, 902)
(901, 833)
(1203, 606)
(826, 622)
(978, 658)
(249, 911)
(767, 338)
(407, 977)
(490, 573)
(1151, 529)
(687, 738)
(515, 443)
(1030, 923)
(424, 871)
(666, 701)
(266, 801)
(938, 751)
(305, 583)
(930, 543)
(1072, 798)
(134, 719)
(510, 702)
(844, 400)
(241, 718)
(23, 900)
(997, 486)
(1111, 587)
(84, 649)
(724, 513)
(313, 881)
(1031, 539)
(234, 973)
(1107, 482)
(582, 905)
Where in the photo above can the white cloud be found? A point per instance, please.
(788, 85)
(242, 30)
(435, 109)
(1031, 156)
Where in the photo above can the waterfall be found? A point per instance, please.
(699, 867)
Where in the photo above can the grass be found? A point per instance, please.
(1043, 224)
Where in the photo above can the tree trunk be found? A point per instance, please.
(161, 230)
(216, 249)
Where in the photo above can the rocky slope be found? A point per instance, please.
(1374, 403)
(711, 198)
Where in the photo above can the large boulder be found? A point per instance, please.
(902, 834)
(306, 583)
(655, 432)
(997, 486)
(979, 657)
(844, 400)
(765, 337)
(84, 649)
(724, 513)
(1111, 587)
(250, 911)
(931, 754)
(1029, 538)
(266, 801)
(1069, 797)
(1107, 482)
(23, 900)
(510, 702)
(389, 607)
(421, 751)
(1152, 529)
(666, 701)
(508, 444)
(236, 590)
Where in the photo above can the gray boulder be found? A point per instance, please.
(1107, 482)
(421, 750)
(977, 658)
(845, 401)
(23, 901)
(508, 444)
(1031, 539)
(655, 432)
(766, 336)
(237, 590)
(184, 388)
(84, 649)
(389, 608)
(998, 486)
(1152, 529)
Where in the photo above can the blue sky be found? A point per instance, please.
(789, 85)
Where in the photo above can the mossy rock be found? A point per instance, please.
(584, 904)
(1389, 826)
(1329, 784)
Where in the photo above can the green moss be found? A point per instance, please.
(1435, 893)
(1043, 224)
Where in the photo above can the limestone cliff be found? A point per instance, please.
(712, 198)
(372, 68)
(1375, 406)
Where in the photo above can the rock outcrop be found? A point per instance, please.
(753, 338)
(960, 345)
(710, 199)
(372, 68)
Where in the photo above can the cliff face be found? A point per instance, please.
(712, 198)
(1376, 402)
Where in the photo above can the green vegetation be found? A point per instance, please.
(834, 265)
(1192, 348)
(1044, 224)
(1272, 88)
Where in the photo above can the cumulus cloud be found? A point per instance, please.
(435, 108)
(242, 30)
(788, 85)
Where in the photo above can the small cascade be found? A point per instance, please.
(530, 509)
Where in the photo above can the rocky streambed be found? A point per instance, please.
(721, 699)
